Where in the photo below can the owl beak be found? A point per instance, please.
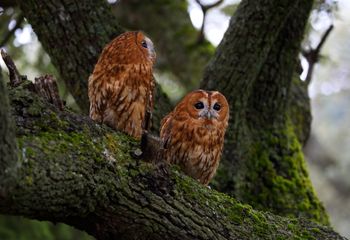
(153, 55)
(209, 115)
(151, 51)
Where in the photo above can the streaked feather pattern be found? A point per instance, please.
(193, 138)
(122, 83)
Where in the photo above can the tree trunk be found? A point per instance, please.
(75, 171)
(254, 64)
(8, 146)
(73, 33)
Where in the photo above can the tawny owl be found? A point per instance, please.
(193, 133)
(121, 85)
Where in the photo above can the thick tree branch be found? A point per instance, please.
(75, 171)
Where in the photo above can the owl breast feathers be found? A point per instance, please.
(193, 134)
(121, 85)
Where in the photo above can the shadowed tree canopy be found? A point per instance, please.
(69, 169)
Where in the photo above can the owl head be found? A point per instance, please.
(204, 107)
(131, 48)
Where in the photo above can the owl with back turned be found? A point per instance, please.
(193, 133)
(122, 83)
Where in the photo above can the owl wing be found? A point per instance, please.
(165, 131)
(100, 91)
(147, 121)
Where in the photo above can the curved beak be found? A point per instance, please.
(151, 51)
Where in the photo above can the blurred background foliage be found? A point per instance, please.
(19, 228)
(327, 150)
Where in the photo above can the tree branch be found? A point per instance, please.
(205, 9)
(15, 77)
(75, 171)
(312, 56)
(10, 33)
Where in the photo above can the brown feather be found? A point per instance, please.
(192, 141)
(122, 83)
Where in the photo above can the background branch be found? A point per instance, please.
(312, 56)
(205, 9)
(9, 34)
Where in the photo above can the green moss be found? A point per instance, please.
(316, 230)
(87, 167)
(276, 177)
(256, 224)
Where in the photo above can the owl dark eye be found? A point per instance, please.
(199, 105)
(217, 107)
(144, 44)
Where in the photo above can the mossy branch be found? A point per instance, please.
(72, 170)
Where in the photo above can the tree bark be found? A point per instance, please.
(73, 33)
(253, 66)
(75, 171)
(8, 146)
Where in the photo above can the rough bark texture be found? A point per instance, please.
(299, 109)
(8, 147)
(75, 171)
(73, 33)
(176, 40)
(263, 163)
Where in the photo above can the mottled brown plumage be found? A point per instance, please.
(193, 133)
(121, 85)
